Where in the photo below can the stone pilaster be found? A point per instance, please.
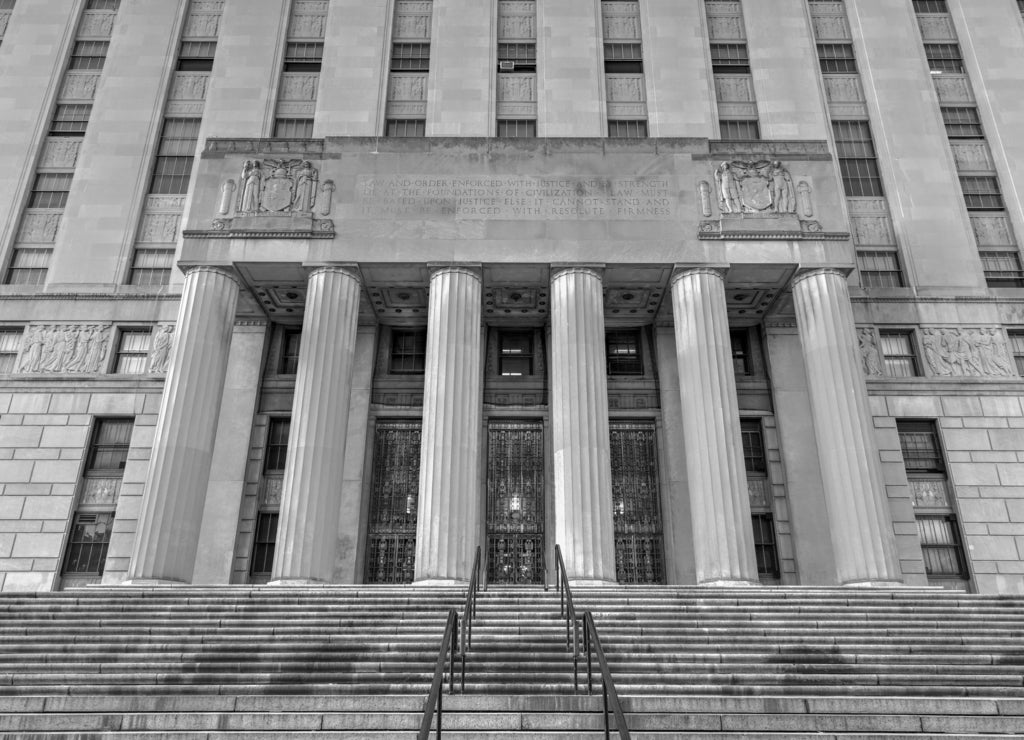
(858, 515)
(720, 508)
(311, 495)
(579, 424)
(448, 518)
(179, 471)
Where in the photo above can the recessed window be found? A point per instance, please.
(837, 59)
(303, 56)
(70, 120)
(89, 55)
(627, 129)
(730, 59)
(930, 6)
(293, 128)
(898, 354)
(103, 5)
(962, 122)
(981, 193)
(1016, 349)
(28, 267)
(739, 341)
(622, 349)
(623, 59)
(879, 268)
(277, 445)
(739, 130)
(858, 161)
(517, 57)
(515, 353)
(264, 544)
(944, 58)
(87, 546)
(1002, 269)
(175, 156)
(517, 129)
(152, 267)
(410, 58)
(10, 344)
(406, 128)
(108, 452)
(133, 347)
(753, 448)
(196, 56)
(50, 190)
(291, 341)
(408, 351)
(765, 552)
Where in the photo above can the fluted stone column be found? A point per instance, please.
(311, 496)
(579, 425)
(862, 536)
(167, 532)
(720, 506)
(448, 518)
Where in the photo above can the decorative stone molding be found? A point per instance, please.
(625, 88)
(410, 86)
(929, 493)
(870, 357)
(79, 86)
(843, 89)
(189, 86)
(758, 491)
(873, 231)
(960, 352)
(412, 20)
(100, 491)
(39, 228)
(270, 491)
(936, 28)
(972, 156)
(309, 18)
(165, 203)
(726, 27)
(734, 88)
(953, 89)
(65, 348)
(278, 186)
(159, 228)
(96, 24)
(299, 85)
(755, 187)
(621, 28)
(203, 23)
(517, 20)
(60, 153)
(831, 27)
(992, 231)
(517, 87)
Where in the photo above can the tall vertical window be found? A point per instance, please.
(858, 161)
(898, 354)
(622, 348)
(408, 351)
(175, 156)
(516, 91)
(265, 534)
(10, 344)
(625, 85)
(755, 462)
(515, 353)
(291, 341)
(739, 341)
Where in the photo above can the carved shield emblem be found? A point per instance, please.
(277, 192)
(754, 192)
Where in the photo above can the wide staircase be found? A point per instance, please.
(357, 662)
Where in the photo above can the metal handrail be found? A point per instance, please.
(455, 644)
(589, 645)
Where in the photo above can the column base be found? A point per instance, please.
(874, 584)
(729, 583)
(145, 582)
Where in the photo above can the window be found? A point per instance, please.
(837, 59)
(857, 159)
(70, 120)
(944, 58)
(753, 448)
(103, 5)
(152, 267)
(879, 268)
(622, 351)
(627, 129)
(50, 190)
(930, 6)
(87, 547)
(981, 193)
(173, 169)
(89, 55)
(264, 543)
(517, 129)
(408, 351)
(1016, 349)
(108, 452)
(740, 345)
(623, 59)
(303, 56)
(10, 344)
(196, 56)
(730, 59)
(133, 351)
(740, 130)
(517, 57)
(898, 354)
(408, 128)
(277, 445)
(410, 58)
(765, 552)
(919, 443)
(515, 353)
(290, 343)
(293, 128)
(1002, 269)
(941, 547)
(28, 267)
(962, 123)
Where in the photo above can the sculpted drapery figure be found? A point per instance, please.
(305, 188)
(252, 179)
(762, 187)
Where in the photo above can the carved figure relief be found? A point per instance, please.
(967, 352)
(276, 186)
(803, 197)
(870, 357)
(65, 348)
(160, 353)
(761, 187)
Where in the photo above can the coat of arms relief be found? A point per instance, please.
(272, 188)
(762, 189)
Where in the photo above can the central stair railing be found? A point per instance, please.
(582, 639)
(454, 646)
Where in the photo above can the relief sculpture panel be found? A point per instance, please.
(65, 348)
(956, 352)
(870, 357)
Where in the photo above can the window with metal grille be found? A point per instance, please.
(517, 57)
(103, 5)
(10, 344)
(962, 122)
(944, 58)
(879, 268)
(627, 129)
(50, 190)
(264, 543)
(290, 344)
(981, 193)
(410, 57)
(857, 159)
(1016, 349)
(930, 6)
(28, 267)
(406, 128)
(70, 120)
(739, 130)
(1002, 269)
(515, 353)
(196, 56)
(293, 128)
(175, 156)
(919, 443)
(753, 448)
(623, 59)
(303, 56)
(152, 267)
(87, 546)
(941, 547)
(898, 354)
(765, 552)
(517, 129)
(837, 59)
(89, 55)
(277, 445)
(622, 351)
(739, 343)
(133, 347)
(408, 351)
(730, 59)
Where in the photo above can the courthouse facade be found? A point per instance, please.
(704, 291)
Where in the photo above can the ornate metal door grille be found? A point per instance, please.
(515, 502)
(635, 502)
(391, 540)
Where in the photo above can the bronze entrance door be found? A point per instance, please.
(636, 503)
(391, 535)
(515, 502)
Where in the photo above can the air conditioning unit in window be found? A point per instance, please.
(506, 66)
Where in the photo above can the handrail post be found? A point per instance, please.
(604, 695)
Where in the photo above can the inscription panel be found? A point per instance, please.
(515, 197)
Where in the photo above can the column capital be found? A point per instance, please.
(680, 271)
(221, 270)
(809, 272)
(560, 269)
(473, 269)
(349, 269)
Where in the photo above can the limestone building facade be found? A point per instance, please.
(704, 291)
